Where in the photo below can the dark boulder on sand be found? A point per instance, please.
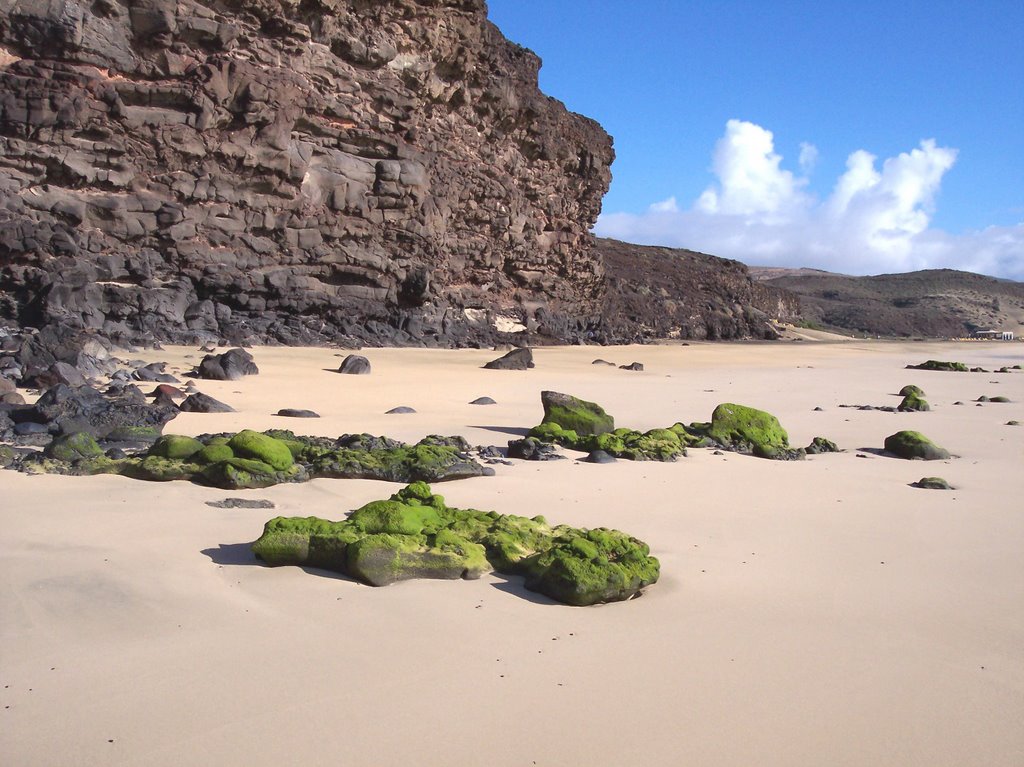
(355, 364)
(517, 359)
(229, 366)
(204, 403)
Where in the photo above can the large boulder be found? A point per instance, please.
(355, 364)
(578, 415)
(914, 445)
(229, 366)
(517, 359)
(748, 430)
(414, 534)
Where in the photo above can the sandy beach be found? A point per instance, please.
(816, 612)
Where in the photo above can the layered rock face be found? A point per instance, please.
(301, 172)
(656, 292)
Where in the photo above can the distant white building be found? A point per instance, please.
(994, 335)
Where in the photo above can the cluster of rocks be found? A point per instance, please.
(414, 534)
(250, 459)
(913, 401)
(581, 425)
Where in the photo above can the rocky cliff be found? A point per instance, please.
(290, 170)
(655, 292)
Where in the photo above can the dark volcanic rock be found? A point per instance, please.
(355, 364)
(655, 292)
(483, 401)
(296, 172)
(533, 449)
(600, 456)
(637, 366)
(229, 366)
(517, 359)
(203, 403)
(291, 412)
(400, 410)
(84, 409)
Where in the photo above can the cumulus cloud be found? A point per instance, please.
(876, 218)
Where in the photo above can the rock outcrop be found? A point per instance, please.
(267, 170)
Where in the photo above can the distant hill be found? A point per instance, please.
(934, 303)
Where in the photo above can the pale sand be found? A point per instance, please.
(809, 613)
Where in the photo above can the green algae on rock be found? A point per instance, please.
(746, 429)
(955, 367)
(732, 427)
(914, 445)
(913, 402)
(73, 447)
(821, 445)
(909, 389)
(574, 414)
(251, 459)
(414, 534)
(933, 483)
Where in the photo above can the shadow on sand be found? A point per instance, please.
(515, 431)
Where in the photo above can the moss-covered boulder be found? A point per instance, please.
(955, 367)
(261, 447)
(414, 534)
(909, 389)
(748, 430)
(913, 402)
(914, 445)
(245, 473)
(821, 445)
(933, 483)
(584, 567)
(73, 447)
(584, 418)
(176, 446)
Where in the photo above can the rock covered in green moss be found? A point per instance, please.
(909, 389)
(749, 430)
(821, 445)
(73, 447)
(176, 446)
(914, 445)
(414, 534)
(262, 447)
(933, 483)
(913, 402)
(653, 445)
(252, 459)
(955, 367)
(574, 414)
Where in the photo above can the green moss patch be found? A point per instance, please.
(414, 534)
(252, 459)
(574, 414)
(955, 367)
(914, 445)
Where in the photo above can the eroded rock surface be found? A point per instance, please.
(269, 170)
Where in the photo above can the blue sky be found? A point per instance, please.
(858, 137)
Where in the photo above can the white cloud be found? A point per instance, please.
(808, 157)
(751, 181)
(665, 206)
(875, 219)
